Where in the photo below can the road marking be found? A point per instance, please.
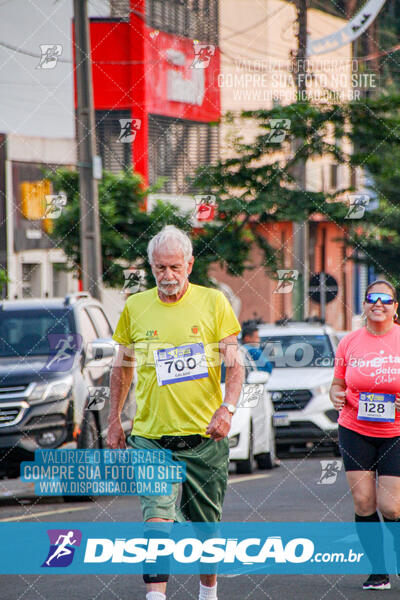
(46, 512)
(247, 478)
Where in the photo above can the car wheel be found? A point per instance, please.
(89, 435)
(87, 439)
(247, 466)
(267, 460)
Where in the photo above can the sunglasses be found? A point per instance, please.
(375, 296)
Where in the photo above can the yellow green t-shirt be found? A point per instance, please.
(202, 315)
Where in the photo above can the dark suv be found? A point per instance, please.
(55, 364)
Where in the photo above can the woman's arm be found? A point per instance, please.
(337, 393)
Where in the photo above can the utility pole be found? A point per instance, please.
(301, 229)
(91, 263)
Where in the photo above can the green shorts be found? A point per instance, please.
(203, 490)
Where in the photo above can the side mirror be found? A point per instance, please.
(257, 377)
(100, 352)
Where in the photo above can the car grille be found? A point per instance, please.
(10, 414)
(290, 399)
(15, 390)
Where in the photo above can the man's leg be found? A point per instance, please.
(159, 587)
(203, 493)
(155, 509)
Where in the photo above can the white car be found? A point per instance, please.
(303, 357)
(252, 434)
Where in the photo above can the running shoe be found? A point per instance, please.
(377, 582)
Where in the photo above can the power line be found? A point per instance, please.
(28, 53)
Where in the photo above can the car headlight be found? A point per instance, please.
(234, 441)
(51, 391)
(320, 390)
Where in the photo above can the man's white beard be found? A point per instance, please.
(171, 289)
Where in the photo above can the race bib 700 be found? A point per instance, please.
(182, 363)
(376, 407)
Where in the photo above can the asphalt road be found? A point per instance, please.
(288, 493)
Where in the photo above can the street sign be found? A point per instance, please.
(323, 288)
(323, 284)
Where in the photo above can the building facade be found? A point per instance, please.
(157, 102)
(164, 71)
(257, 43)
(34, 265)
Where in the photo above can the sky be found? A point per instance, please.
(37, 101)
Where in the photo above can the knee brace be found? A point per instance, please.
(155, 578)
(152, 531)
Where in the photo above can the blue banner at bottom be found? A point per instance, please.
(234, 548)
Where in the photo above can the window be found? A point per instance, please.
(88, 331)
(115, 156)
(298, 350)
(31, 280)
(101, 322)
(60, 280)
(177, 148)
(353, 178)
(26, 333)
(334, 177)
(197, 19)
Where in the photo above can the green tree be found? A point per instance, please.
(126, 229)
(258, 186)
(4, 279)
(376, 135)
(255, 187)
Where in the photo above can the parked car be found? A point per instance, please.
(252, 434)
(54, 355)
(341, 334)
(303, 357)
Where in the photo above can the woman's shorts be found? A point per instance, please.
(366, 453)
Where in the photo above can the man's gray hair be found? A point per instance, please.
(167, 237)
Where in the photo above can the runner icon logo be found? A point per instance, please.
(62, 547)
(286, 281)
(279, 129)
(50, 53)
(129, 129)
(330, 471)
(357, 206)
(202, 55)
(97, 397)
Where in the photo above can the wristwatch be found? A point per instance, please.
(230, 407)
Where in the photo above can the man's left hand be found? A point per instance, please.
(220, 424)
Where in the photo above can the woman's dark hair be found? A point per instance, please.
(383, 281)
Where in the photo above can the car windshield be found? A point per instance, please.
(297, 350)
(25, 333)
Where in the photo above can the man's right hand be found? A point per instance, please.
(116, 435)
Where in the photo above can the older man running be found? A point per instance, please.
(178, 394)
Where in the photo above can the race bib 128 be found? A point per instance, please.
(182, 363)
(376, 407)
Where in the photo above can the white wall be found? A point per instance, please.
(34, 101)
